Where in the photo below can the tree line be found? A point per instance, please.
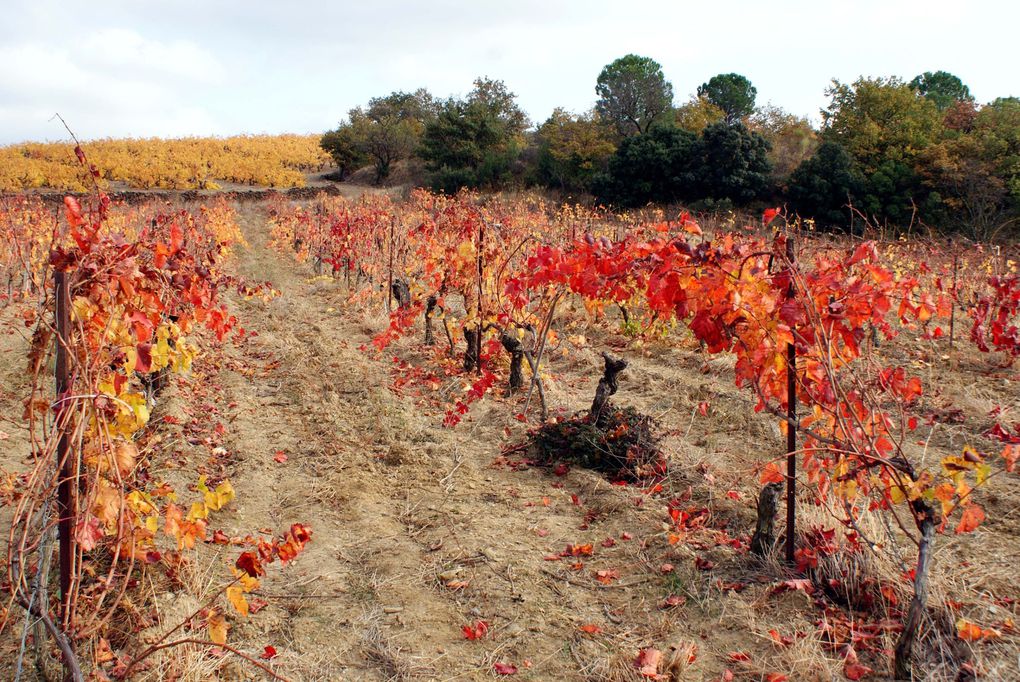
(889, 151)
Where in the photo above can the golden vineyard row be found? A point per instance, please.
(153, 163)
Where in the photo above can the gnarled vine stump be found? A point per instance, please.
(608, 385)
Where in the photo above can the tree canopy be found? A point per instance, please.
(732, 93)
(899, 152)
(387, 130)
(657, 166)
(572, 149)
(942, 88)
(633, 94)
(697, 114)
(824, 186)
(473, 142)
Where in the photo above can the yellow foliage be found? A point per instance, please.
(188, 163)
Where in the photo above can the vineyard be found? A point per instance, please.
(188, 163)
(475, 436)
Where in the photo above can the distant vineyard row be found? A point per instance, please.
(188, 163)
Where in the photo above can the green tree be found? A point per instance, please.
(391, 128)
(878, 120)
(942, 88)
(572, 150)
(823, 187)
(884, 124)
(733, 163)
(633, 94)
(732, 93)
(474, 142)
(654, 167)
(340, 145)
(386, 131)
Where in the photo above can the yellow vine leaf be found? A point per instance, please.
(218, 627)
(198, 511)
(218, 498)
(235, 595)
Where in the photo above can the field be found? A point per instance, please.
(195, 163)
(373, 506)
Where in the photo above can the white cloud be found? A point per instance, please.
(172, 67)
(125, 52)
(111, 82)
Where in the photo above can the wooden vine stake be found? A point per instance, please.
(791, 421)
(389, 268)
(65, 514)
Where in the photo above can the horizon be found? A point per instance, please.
(180, 70)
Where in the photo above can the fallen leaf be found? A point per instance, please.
(856, 671)
(647, 662)
(476, 631)
(795, 584)
(269, 653)
(703, 564)
(971, 632)
(217, 626)
(672, 601)
(504, 668)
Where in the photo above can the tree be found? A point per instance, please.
(963, 172)
(960, 117)
(733, 163)
(791, 138)
(633, 94)
(878, 120)
(385, 132)
(942, 88)
(823, 187)
(572, 150)
(884, 124)
(391, 129)
(697, 114)
(999, 124)
(340, 145)
(732, 93)
(975, 170)
(474, 142)
(654, 167)
(494, 96)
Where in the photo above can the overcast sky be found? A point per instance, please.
(198, 67)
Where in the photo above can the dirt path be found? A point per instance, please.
(415, 534)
